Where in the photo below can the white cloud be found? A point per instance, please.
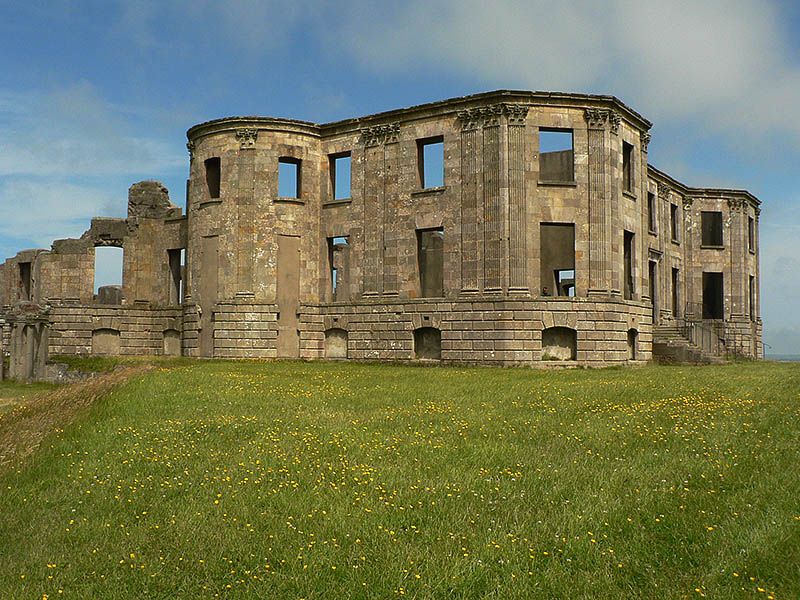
(723, 62)
(72, 132)
(40, 212)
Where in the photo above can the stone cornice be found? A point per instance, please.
(236, 124)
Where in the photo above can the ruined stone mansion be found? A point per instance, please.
(507, 227)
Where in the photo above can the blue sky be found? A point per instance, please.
(98, 94)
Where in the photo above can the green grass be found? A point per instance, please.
(12, 393)
(337, 480)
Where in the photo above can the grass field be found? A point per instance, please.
(336, 480)
(12, 393)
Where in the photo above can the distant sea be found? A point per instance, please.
(784, 357)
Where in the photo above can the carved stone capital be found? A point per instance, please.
(735, 204)
(516, 113)
(247, 137)
(645, 138)
(596, 118)
(380, 134)
(663, 190)
(614, 120)
(687, 203)
(757, 211)
(190, 148)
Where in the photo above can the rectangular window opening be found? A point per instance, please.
(711, 226)
(627, 167)
(213, 176)
(751, 234)
(713, 299)
(338, 247)
(340, 175)
(289, 177)
(651, 212)
(652, 273)
(674, 224)
(25, 280)
(176, 259)
(430, 255)
(628, 238)
(430, 159)
(557, 259)
(556, 156)
(752, 295)
(675, 292)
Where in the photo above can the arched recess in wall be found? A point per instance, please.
(559, 343)
(633, 339)
(427, 343)
(108, 274)
(105, 342)
(172, 342)
(335, 343)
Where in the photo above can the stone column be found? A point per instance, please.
(2, 350)
(246, 217)
(599, 122)
(375, 140)
(28, 344)
(517, 209)
(494, 214)
(690, 268)
(737, 242)
(471, 201)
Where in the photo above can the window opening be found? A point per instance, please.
(628, 237)
(752, 298)
(430, 254)
(177, 264)
(627, 166)
(675, 292)
(25, 280)
(556, 156)
(108, 274)
(213, 176)
(427, 343)
(557, 259)
(713, 306)
(711, 225)
(652, 272)
(559, 343)
(430, 157)
(674, 224)
(651, 212)
(289, 177)
(340, 175)
(751, 234)
(337, 261)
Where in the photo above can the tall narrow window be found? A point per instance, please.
(337, 261)
(628, 238)
(289, 177)
(752, 298)
(674, 223)
(556, 156)
(213, 176)
(25, 280)
(557, 259)
(340, 175)
(108, 275)
(652, 272)
(651, 212)
(713, 291)
(711, 226)
(627, 167)
(430, 253)
(176, 262)
(751, 234)
(430, 159)
(675, 292)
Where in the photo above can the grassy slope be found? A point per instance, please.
(12, 393)
(293, 480)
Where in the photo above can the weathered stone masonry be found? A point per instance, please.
(517, 253)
